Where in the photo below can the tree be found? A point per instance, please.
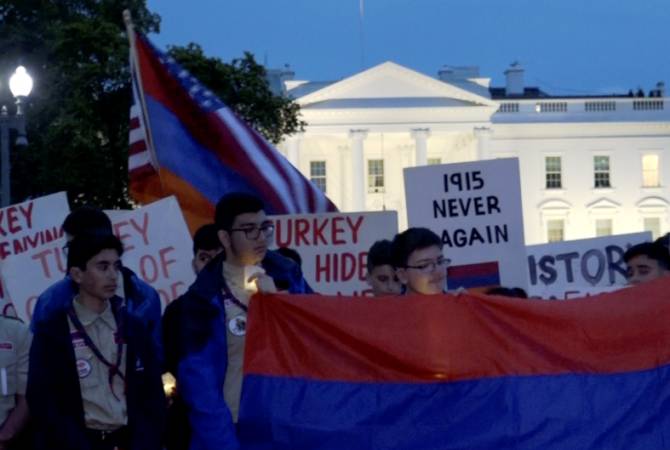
(77, 51)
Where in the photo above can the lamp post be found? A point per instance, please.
(20, 84)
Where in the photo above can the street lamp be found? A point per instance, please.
(20, 84)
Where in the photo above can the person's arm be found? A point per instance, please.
(200, 377)
(18, 417)
(16, 421)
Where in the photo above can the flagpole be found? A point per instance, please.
(361, 15)
(134, 62)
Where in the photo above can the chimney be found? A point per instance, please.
(660, 89)
(514, 79)
(457, 73)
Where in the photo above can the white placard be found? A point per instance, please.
(334, 246)
(475, 208)
(157, 246)
(578, 268)
(31, 250)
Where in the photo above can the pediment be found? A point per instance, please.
(653, 202)
(554, 204)
(392, 85)
(603, 203)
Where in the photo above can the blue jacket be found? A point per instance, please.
(142, 302)
(54, 395)
(195, 342)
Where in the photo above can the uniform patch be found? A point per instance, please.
(84, 368)
(238, 325)
(6, 345)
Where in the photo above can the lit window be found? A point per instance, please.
(555, 230)
(650, 171)
(601, 170)
(653, 224)
(434, 161)
(317, 174)
(603, 227)
(552, 167)
(376, 175)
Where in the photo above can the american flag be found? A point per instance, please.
(179, 126)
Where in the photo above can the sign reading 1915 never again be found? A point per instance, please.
(475, 207)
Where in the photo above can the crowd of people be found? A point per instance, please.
(87, 373)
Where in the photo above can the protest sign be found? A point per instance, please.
(157, 246)
(31, 255)
(334, 246)
(569, 269)
(475, 208)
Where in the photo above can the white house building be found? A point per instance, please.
(590, 165)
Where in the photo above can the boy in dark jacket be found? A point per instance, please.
(205, 328)
(94, 380)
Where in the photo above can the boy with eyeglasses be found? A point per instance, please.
(420, 265)
(206, 327)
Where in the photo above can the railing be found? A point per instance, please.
(622, 105)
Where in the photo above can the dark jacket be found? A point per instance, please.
(142, 301)
(195, 340)
(54, 396)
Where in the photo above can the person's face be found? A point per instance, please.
(202, 257)
(426, 271)
(100, 278)
(641, 269)
(246, 243)
(383, 281)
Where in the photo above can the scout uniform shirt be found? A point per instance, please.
(14, 349)
(104, 405)
(236, 319)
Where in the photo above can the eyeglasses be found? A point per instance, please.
(253, 232)
(428, 267)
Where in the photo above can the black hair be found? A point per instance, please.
(206, 238)
(290, 254)
(232, 205)
(379, 255)
(82, 248)
(415, 238)
(87, 220)
(664, 241)
(515, 292)
(652, 250)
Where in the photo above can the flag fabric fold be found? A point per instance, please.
(185, 142)
(458, 372)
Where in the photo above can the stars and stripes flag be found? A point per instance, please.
(186, 142)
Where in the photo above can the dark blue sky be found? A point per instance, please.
(566, 46)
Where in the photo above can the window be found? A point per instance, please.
(603, 227)
(376, 175)
(653, 224)
(552, 168)
(650, 171)
(555, 230)
(317, 174)
(434, 161)
(601, 170)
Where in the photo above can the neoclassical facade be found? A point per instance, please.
(590, 165)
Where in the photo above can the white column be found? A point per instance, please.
(293, 149)
(420, 136)
(357, 170)
(483, 135)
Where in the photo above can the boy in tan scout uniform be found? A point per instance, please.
(95, 379)
(14, 348)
